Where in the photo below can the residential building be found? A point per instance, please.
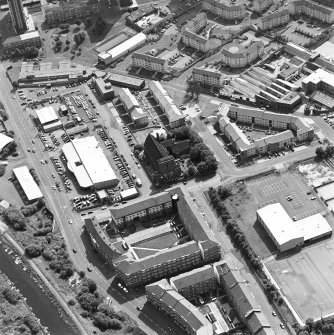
(71, 10)
(194, 283)
(196, 23)
(260, 5)
(27, 40)
(272, 20)
(202, 249)
(167, 104)
(104, 89)
(17, 15)
(149, 62)
(241, 298)
(184, 314)
(294, 129)
(208, 77)
(238, 55)
(312, 9)
(200, 43)
(132, 106)
(226, 9)
(160, 161)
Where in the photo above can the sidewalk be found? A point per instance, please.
(62, 303)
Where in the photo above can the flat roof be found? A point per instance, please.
(129, 192)
(123, 47)
(326, 191)
(27, 183)
(314, 226)
(103, 47)
(279, 223)
(4, 140)
(46, 114)
(88, 162)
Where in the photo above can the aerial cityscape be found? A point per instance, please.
(166, 167)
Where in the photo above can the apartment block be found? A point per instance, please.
(194, 283)
(132, 106)
(167, 104)
(196, 24)
(149, 62)
(226, 9)
(260, 5)
(29, 39)
(71, 10)
(17, 15)
(294, 129)
(312, 9)
(184, 314)
(195, 41)
(278, 18)
(237, 55)
(208, 77)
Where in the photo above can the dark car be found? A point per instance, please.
(89, 269)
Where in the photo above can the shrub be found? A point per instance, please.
(14, 218)
(88, 302)
(32, 323)
(2, 170)
(71, 302)
(92, 287)
(11, 296)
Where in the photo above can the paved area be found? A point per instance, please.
(273, 188)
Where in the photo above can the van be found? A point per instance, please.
(78, 118)
(133, 176)
(138, 182)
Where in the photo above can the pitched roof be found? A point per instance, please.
(128, 99)
(154, 149)
(193, 36)
(275, 15)
(139, 204)
(207, 72)
(193, 277)
(256, 321)
(150, 58)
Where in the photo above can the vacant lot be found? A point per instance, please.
(307, 279)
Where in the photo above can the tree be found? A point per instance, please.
(88, 302)
(125, 3)
(192, 171)
(79, 37)
(33, 250)
(67, 42)
(193, 87)
(92, 287)
(11, 296)
(2, 170)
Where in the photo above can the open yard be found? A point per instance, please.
(307, 279)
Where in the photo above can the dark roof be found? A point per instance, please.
(180, 147)
(154, 150)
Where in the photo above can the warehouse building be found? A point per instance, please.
(288, 234)
(86, 160)
(123, 49)
(48, 119)
(27, 183)
(4, 141)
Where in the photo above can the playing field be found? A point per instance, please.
(307, 279)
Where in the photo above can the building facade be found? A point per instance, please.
(167, 104)
(71, 10)
(104, 89)
(273, 20)
(27, 40)
(237, 55)
(149, 62)
(260, 5)
(313, 10)
(195, 41)
(208, 78)
(226, 9)
(17, 15)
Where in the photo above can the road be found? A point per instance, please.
(152, 322)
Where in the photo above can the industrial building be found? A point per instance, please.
(4, 141)
(123, 49)
(167, 104)
(319, 80)
(27, 183)
(48, 119)
(86, 160)
(288, 234)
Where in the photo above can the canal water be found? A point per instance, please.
(40, 303)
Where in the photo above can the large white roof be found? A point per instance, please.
(4, 140)
(326, 191)
(279, 223)
(313, 226)
(27, 183)
(123, 47)
(88, 162)
(46, 114)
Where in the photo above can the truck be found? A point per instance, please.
(138, 182)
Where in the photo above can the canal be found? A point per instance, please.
(40, 303)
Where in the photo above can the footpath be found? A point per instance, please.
(63, 304)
